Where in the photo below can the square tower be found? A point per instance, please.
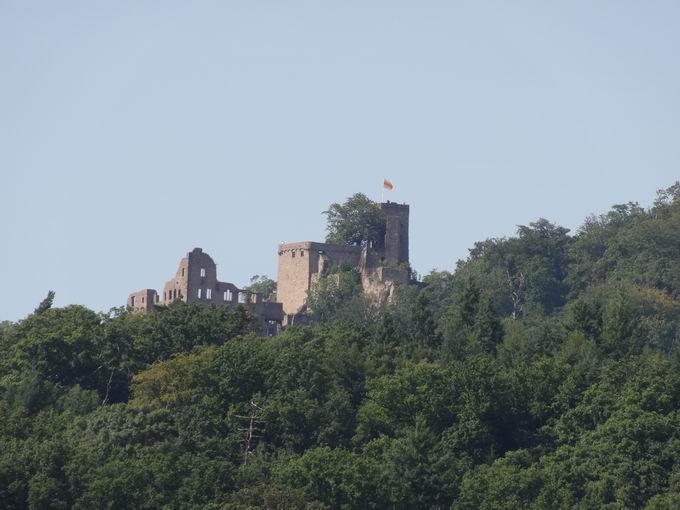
(396, 232)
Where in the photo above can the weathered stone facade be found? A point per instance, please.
(196, 282)
(142, 300)
(300, 268)
(302, 264)
(396, 232)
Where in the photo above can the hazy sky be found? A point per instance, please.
(131, 132)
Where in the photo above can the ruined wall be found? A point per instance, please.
(177, 288)
(202, 276)
(196, 282)
(143, 300)
(204, 289)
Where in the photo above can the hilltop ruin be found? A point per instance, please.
(300, 268)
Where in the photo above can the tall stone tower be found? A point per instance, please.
(396, 232)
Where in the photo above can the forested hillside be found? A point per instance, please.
(542, 373)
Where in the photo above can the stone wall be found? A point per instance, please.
(142, 301)
(196, 282)
(301, 265)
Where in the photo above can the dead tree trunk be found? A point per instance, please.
(252, 431)
(517, 284)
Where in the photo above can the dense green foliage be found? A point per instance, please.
(358, 221)
(543, 373)
(264, 285)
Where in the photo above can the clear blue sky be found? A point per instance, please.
(131, 132)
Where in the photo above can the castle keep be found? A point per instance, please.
(302, 264)
(196, 282)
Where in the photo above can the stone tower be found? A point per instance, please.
(302, 265)
(396, 232)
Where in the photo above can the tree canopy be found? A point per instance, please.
(542, 373)
(264, 285)
(357, 221)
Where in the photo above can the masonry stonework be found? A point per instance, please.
(143, 300)
(300, 268)
(396, 232)
(196, 282)
(302, 264)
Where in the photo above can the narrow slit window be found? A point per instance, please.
(208, 294)
(229, 296)
(199, 293)
(202, 272)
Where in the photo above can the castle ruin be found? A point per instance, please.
(301, 266)
(196, 282)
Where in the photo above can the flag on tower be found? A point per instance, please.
(387, 184)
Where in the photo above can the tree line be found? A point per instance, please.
(543, 372)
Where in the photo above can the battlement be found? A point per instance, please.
(319, 247)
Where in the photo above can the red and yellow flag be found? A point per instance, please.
(387, 184)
